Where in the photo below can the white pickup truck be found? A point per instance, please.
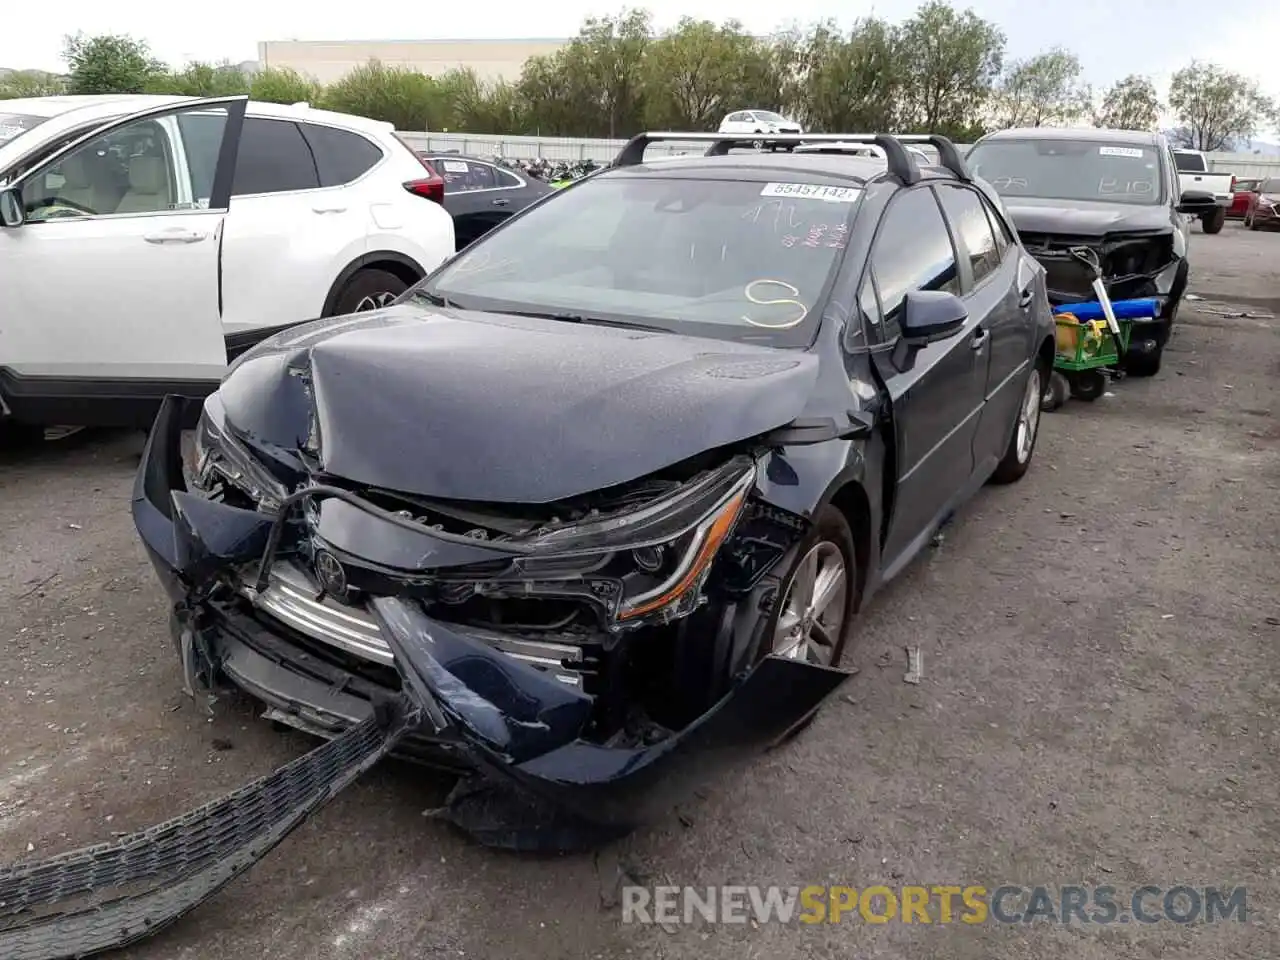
(1194, 175)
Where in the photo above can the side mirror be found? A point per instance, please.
(11, 214)
(1196, 202)
(927, 317)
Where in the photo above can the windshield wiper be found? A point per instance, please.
(435, 299)
(584, 318)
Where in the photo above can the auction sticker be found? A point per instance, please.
(1133, 152)
(455, 166)
(812, 191)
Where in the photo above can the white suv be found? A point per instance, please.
(147, 240)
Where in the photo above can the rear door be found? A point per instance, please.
(938, 402)
(479, 196)
(1004, 303)
(111, 283)
(295, 221)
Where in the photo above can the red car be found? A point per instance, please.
(1241, 192)
(1264, 205)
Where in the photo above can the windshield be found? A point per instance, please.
(1270, 187)
(1054, 169)
(745, 261)
(13, 125)
(770, 117)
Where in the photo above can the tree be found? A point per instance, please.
(109, 64)
(1216, 107)
(695, 74)
(406, 98)
(949, 62)
(31, 83)
(1042, 91)
(1130, 104)
(284, 85)
(852, 83)
(610, 53)
(199, 79)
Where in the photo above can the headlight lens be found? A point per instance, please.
(220, 456)
(676, 595)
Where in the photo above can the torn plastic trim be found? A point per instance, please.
(108, 896)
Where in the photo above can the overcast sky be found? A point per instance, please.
(1153, 37)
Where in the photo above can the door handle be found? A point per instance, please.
(979, 339)
(1024, 298)
(501, 202)
(328, 209)
(174, 236)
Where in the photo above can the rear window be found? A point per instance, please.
(14, 125)
(341, 156)
(1072, 170)
(1189, 163)
(736, 260)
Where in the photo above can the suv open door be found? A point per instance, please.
(111, 250)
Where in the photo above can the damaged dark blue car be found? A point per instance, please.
(581, 524)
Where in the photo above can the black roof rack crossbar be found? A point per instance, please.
(947, 153)
(901, 164)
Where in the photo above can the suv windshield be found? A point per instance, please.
(1054, 169)
(734, 260)
(13, 125)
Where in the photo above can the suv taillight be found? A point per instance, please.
(431, 187)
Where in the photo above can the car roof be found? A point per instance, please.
(1100, 134)
(758, 166)
(92, 106)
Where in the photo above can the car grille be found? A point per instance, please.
(294, 599)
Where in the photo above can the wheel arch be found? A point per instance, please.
(851, 499)
(395, 263)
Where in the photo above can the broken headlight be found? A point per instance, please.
(220, 458)
(660, 554)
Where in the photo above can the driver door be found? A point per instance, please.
(112, 292)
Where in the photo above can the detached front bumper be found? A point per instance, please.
(519, 728)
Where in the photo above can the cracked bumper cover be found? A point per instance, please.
(505, 719)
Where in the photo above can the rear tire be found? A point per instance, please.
(1212, 223)
(1144, 364)
(368, 290)
(1026, 430)
(1088, 385)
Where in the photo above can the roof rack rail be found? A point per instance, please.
(900, 162)
(947, 153)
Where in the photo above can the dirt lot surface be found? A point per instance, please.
(1100, 705)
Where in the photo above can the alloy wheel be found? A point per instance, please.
(813, 610)
(374, 301)
(1029, 416)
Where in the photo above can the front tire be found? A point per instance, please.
(368, 290)
(1212, 223)
(1144, 364)
(1026, 429)
(815, 609)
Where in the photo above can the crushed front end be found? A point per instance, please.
(570, 655)
(1135, 265)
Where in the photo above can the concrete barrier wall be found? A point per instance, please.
(604, 150)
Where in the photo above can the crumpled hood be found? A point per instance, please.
(495, 408)
(1083, 217)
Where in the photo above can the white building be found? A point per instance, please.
(330, 60)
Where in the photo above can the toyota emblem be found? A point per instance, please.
(332, 577)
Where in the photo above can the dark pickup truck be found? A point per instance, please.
(1115, 192)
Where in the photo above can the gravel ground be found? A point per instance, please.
(1100, 705)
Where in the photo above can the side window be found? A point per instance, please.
(508, 179)
(273, 158)
(341, 156)
(965, 210)
(912, 252)
(202, 136)
(480, 176)
(454, 173)
(129, 170)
